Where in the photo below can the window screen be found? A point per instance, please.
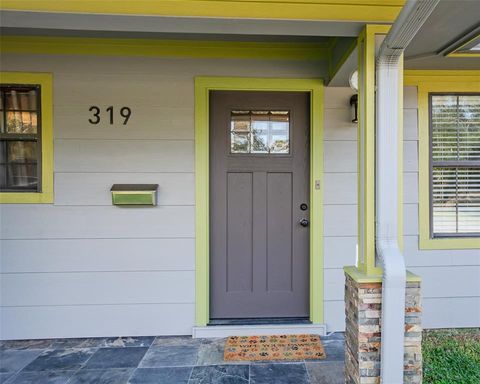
(20, 146)
(455, 164)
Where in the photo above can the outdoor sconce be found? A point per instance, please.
(134, 194)
(353, 81)
(354, 108)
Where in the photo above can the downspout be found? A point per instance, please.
(409, 21)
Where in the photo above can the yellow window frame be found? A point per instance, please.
(45, 80)
(444, 82)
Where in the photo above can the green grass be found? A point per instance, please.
(451, 356)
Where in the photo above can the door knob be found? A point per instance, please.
(304, 222)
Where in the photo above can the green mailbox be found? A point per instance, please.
(134, 194)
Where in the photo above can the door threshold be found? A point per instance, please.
(258, 329)
(260, 321)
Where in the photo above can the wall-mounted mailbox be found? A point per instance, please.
(134, 194)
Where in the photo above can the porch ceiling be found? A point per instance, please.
(449, 24)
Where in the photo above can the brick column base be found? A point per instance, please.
(363, 309)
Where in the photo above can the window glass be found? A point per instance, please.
(455, 164)
(19, 138)
(260, 132)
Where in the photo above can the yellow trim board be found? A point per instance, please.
(203, 85)
(426, 82)
(336, 10)
(45, 81)
(361, 277)
(416, 77)
(366, 147)
(163, 48)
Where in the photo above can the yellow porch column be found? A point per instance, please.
(367, 42)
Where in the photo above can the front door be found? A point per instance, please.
(259, 204)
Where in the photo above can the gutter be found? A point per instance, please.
(406, 26)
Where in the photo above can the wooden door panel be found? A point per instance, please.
(259, 261)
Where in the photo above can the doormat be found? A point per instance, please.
(276, 347)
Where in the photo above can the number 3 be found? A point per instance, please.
(96, 114)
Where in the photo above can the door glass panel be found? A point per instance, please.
(240, 142)
(262, 132)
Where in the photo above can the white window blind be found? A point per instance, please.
(455, 164)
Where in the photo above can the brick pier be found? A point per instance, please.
(363, 308)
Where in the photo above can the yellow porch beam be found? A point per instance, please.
(382, 11)
(163, 48)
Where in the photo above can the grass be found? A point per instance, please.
(451, 356)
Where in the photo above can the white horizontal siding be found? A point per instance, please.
(82, 267)
(410, 187)
(340, 188)
(340, 201)
(449, 281)
(123, 156)
(437, 257)
(94, 188)
(94, 222)
(410, 98)
(455, 312)
(339, 251)
(410, 156)
(410, 131)
(450, 278)
(146, 122)
(105, 89)
(85, 288)
(340, 220)
(337, 98)
(339, 156)
(96, 320)
(435, 282)
(83, 242)
(92, 255)
(334, 284)
(338, 124)
(410, 219)
(335, 315)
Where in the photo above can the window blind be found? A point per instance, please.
(455, 164)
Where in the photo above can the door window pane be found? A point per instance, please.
(260, 132)
(240, 142)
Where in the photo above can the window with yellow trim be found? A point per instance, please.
(20, 138)
(26, 148)
(454, 164)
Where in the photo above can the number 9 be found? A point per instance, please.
(125, 112)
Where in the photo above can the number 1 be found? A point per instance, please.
(110, 109)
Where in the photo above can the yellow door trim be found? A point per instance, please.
(203, 85)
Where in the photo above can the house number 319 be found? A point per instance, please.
(125, 112)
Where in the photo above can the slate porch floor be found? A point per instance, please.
(163, 360)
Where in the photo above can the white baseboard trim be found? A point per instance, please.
(252, 330)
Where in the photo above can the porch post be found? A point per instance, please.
(364, 289)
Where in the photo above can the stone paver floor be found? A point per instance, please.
(163, 360)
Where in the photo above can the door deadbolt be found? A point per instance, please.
(303, 207)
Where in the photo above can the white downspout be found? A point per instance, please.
(409, 21)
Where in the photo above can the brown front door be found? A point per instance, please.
(259, 204)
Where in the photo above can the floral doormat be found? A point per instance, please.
(277, 347)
